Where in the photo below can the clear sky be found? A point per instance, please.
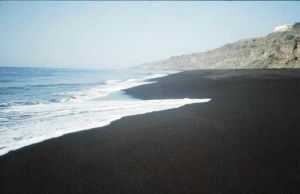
(121, 34)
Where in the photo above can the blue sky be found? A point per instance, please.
(121, 34)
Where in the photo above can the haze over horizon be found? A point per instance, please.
(122, 34)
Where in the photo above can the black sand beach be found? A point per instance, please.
(245, 140)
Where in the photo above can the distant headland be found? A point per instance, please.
(279, 49)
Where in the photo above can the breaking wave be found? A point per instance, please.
(27, 121)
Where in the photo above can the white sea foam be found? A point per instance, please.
(104, 90)
(110, 87)
(62, 118)
(33, 123)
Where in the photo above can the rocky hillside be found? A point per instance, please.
(280, 49)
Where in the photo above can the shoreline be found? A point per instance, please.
(106, 89)
(246, 140)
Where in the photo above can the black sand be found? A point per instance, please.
(246, 140)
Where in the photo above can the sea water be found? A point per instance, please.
(38, 103)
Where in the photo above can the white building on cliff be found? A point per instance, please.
(282, 28)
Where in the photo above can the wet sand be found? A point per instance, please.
(245, 140)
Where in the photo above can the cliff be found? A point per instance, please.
(280, 49)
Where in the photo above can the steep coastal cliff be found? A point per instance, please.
(279, 49)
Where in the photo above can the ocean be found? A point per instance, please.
(38, 103)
